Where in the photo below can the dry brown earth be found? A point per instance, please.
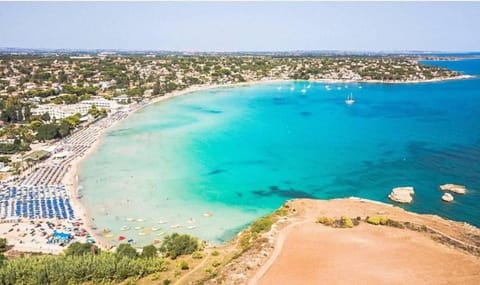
(309, 253)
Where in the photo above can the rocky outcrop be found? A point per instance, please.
(402, 194)
(459, 189)
(447, 197)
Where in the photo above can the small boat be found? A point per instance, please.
(191, 221)
(292, 88)
(279, 88)
(162, 222)
(207, 214)
(309, 85)
(129, 219)
(139, 228)
(154, 229)
(125, 228)
(142, 233)
(160, 233)
(303, 90)
(350, 100)
(140, 220)
(175, 226)
(191, 227)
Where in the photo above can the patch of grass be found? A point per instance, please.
(245, 241)
(154, 276)
(216, 263)
(262, 225)
(197, 255)
(183, 265)
(215, 253)
(282, 212)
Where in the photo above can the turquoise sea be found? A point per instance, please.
(238, 153)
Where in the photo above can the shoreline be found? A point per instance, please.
(70, 179)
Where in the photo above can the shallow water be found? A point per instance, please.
(239, 153)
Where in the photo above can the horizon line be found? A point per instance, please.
(3, 48)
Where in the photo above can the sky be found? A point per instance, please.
(246, 26)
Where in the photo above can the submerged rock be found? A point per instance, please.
(447, 197)
(459, 189)
(402, 194)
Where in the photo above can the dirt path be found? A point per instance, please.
(278, 248)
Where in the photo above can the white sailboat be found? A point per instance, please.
(350, 100)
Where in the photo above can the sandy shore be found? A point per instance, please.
(309, 253)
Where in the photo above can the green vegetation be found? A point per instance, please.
(7, 148)
(282, 212)
(149, 251)
(346, 222)
(343, 222)
(262, 225)
(126, 250)
(79, 249)
(97, 113)
(377, 220)
(14, 110)
(175, 245)
(3, 248)
(78, 267)
(59, 129)
(183, 265)
(197, 255)
(325, 220)
(36, 155)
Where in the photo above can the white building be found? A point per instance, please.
(101, 103)
(60, 111)
(63, 111)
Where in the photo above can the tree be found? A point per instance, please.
(93, 111)
(3, 245)
(127, 250)
(175, 245)
(47, 132)
(78, 249)
(34, 125)
(149, 251)
(46, 117)
(64, 129)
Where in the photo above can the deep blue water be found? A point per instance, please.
(241, 152)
